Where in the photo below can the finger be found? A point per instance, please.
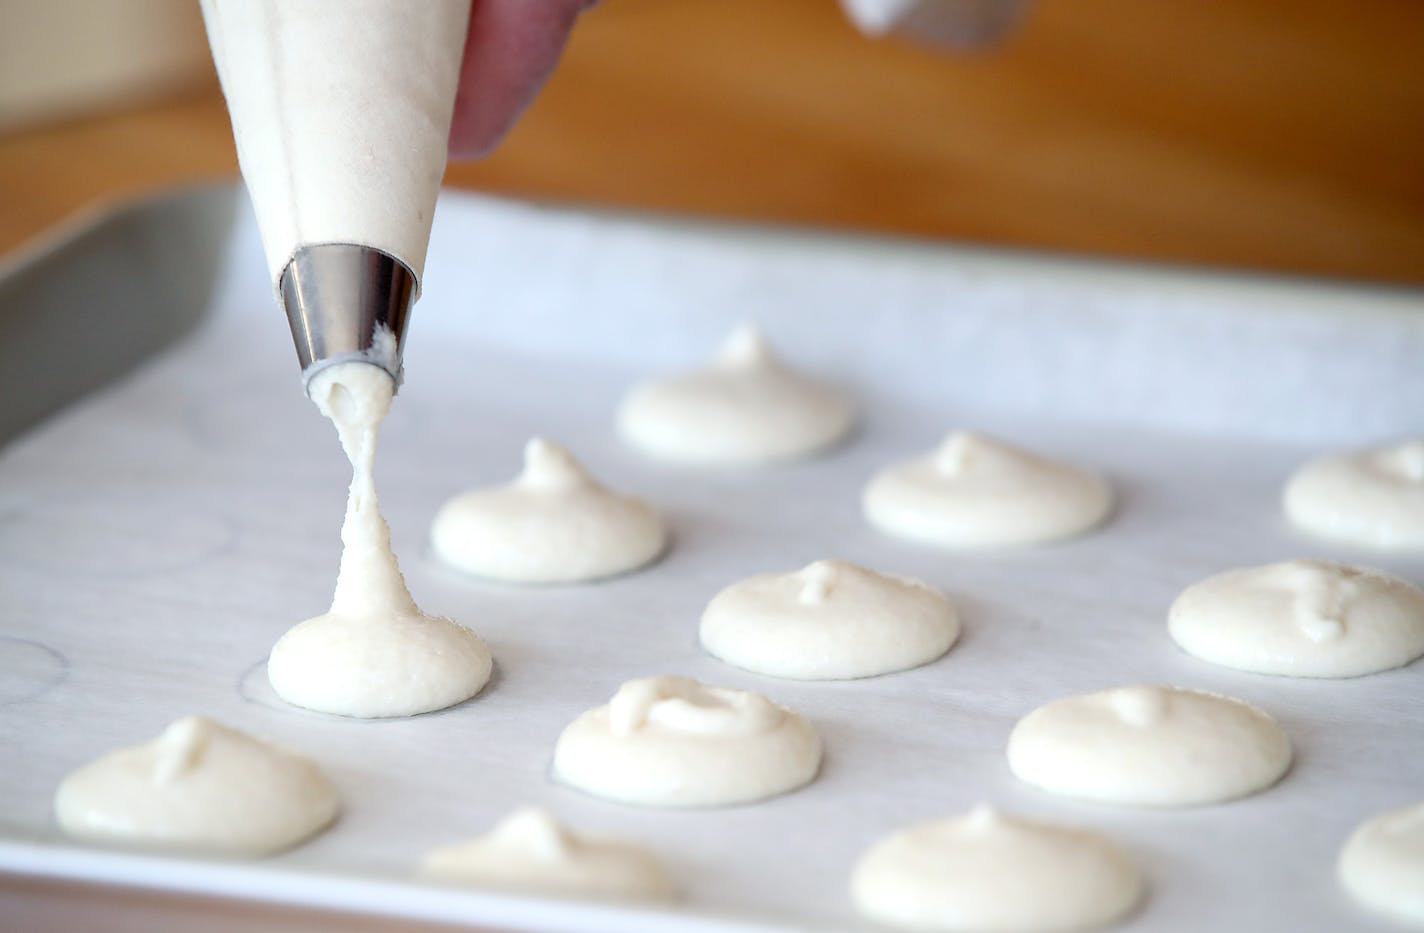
(510, 50)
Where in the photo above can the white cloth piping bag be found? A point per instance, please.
(341, 112)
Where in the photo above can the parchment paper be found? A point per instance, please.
(156, 539)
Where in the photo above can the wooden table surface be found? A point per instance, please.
(1239, 133)
(1242, 133)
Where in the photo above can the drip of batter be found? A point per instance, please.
(671, 741)
(531, 852)
(375, 653)
(1367, 498)
(1302, 618)
(828, 621)
(198, 787)
(357, 399)
(987, 870)
(746, 408)
(554, 524)
(975, 491)
(1382, 864)
(1149, 746)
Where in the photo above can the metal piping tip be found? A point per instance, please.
(347, 303)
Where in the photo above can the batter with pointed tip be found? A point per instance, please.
(1368, 498)
(974, 491)
(199, 787)
(1301, 618)
(1382, 864)
(531, 852)
(831, 620)
(553, 524)
(374, 653)
(671, 741)
(746, 408)
(1149, 746)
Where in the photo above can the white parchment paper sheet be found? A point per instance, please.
(156, 539)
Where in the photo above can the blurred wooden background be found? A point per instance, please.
(1243, 133)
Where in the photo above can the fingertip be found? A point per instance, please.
(511, 48)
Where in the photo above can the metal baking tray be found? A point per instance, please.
(169, 505)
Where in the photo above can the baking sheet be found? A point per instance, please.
(157, 538)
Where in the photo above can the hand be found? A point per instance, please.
(510, 50)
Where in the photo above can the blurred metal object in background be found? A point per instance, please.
(954, 24)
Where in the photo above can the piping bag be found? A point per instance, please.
(341, 114)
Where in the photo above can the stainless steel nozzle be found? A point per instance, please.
(347, 303)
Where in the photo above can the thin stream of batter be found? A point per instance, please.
(357, 397)
(375, 653)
